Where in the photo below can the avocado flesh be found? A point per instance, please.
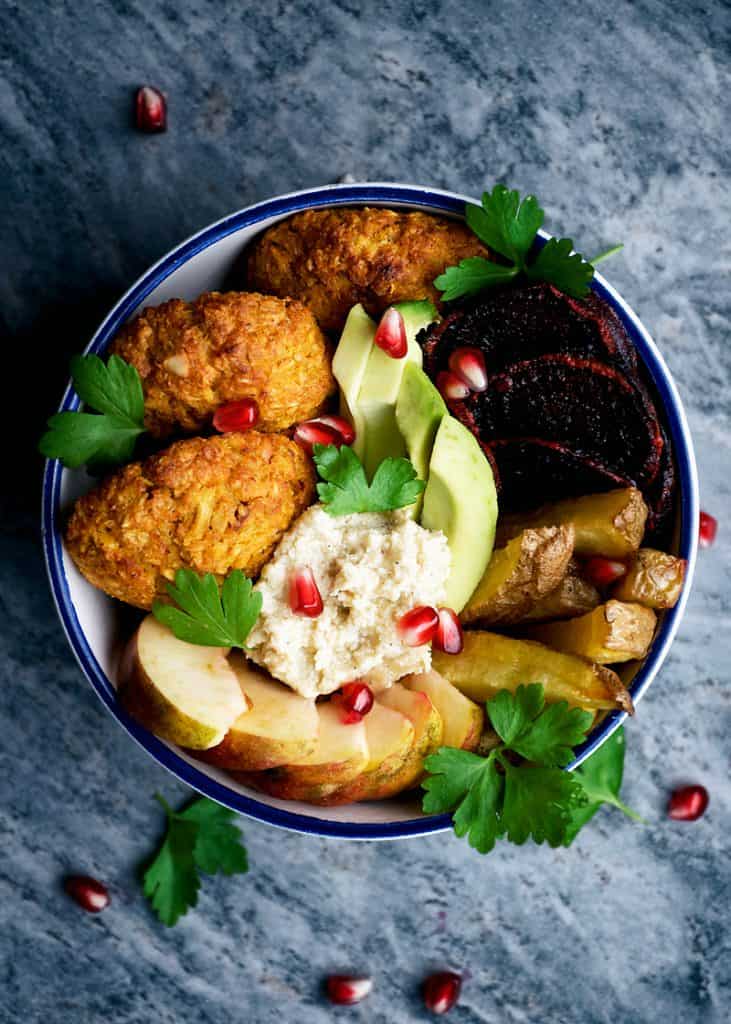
(461, 501)
(349, 364)
(419, 411)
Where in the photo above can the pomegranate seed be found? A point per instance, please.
(391, 334)
(346, 989)
(339, 423)
(355, 700)
(304, 597)
(707, 530)
(688, 803)
(88, 893)
(311, 432)
(448, 637)
(450, 386)
(151, 112)
(418, 626)
(235, 416)
(603, 571)
(441, 991)
(468, 364)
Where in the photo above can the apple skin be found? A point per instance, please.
(428, 732)
(464, 720)
(390, 738)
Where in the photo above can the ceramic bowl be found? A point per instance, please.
(96, 626)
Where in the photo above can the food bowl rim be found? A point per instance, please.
(384, 194)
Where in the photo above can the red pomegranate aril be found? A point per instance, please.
(341, 425)
(151, 114)
(603, 571)
(304, 596)
(451, 387)
(468, 364)
(347, 989)
(391, 334)
(448, 637)
(87, 892)
(311, 432)
(236, 416)
(441, 991)
(355, 700)
(688, 803)
(418, 626)
(707, 530)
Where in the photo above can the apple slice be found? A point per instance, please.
(390, 737)
(341, 754)
(280, 727)
(463, 719)
(428, 732)
(184, 693)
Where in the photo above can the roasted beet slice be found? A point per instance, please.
(533, 471)
(661, 498)
(529, 321)
(582, 404)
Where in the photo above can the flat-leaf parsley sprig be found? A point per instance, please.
(206, 616)
(346, 488)
(508, 225)
(108, 436)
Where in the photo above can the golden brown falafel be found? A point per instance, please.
(194, 356)
(209, 504)
(331, 259)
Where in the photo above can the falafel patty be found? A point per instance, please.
(208, 504)
(332, 259)
(195, 356)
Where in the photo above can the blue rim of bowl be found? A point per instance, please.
(339, 195)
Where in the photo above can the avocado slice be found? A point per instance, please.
(461, 501)
(349, 364)
(380, 437)
(419, 411)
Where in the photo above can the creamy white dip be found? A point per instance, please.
(370, 570)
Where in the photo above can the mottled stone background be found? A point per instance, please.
(616, 115)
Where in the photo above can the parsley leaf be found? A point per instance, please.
(505, 223)
(560, 266)
(199, 838)
(471, 275)
(108, 436)
(347, 490)
(601, 778)
(538, 802)
(206, 617)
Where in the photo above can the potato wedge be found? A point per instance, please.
(428, 734)
(530, 566)
(489, 663)
(654, 579)
(573, 596)
(610, 524)
(463, 719)
(390, 739)
(613, 632)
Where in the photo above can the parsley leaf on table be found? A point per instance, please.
(206, 616)
(601, 777)
(199, 838)
(109, 435)
(347, 490)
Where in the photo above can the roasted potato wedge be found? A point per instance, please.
(654, 579)
(530, 566)
(610, 524)
(573, 596)
(489, 663)
(613, 632)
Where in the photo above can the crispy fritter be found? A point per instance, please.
(209, 504)
(331, 259)
(194, 356)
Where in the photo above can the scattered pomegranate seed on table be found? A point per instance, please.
(441, 991)
(87, 892)
(688, 803)
(311, 432)
(304, 596)
(151, 112)
(448, 636)
(355, 700)
(236, 416)
(347, 989)
(451, 387)
(603, 571)
(391, 334)
(707, 530)
(468, 365)
(418, 626)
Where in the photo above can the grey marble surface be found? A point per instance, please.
(616, 115)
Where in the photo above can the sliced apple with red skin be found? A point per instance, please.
(390, 738)
(281, 727)
(463, 719)
(428, 732)
(184, 693)
(340, 756)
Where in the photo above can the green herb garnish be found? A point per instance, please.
(207, 616)
(601, 778)
(199, 838)
(108, 436)
(347, 490)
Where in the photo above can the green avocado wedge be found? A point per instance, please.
(419, 411)
(461, 501)
(350, 361)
